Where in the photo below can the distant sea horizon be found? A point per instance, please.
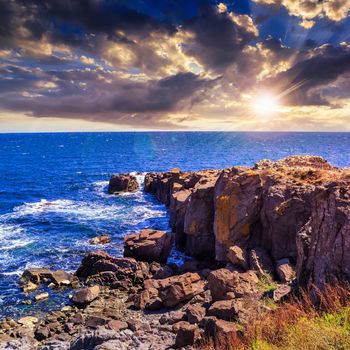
(53, 190)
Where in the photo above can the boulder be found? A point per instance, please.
(102, 239)
(148, 245)
(187, 335)
(238, 257)
(36, 275)
(86, 295)
(223, 309)
(285, 270)
(226, 284)
(122, 183)
(102, 268)
(172, 317)
(219, 328)
(31, 278)
(148, 299)
(195, 313)
(177, 289)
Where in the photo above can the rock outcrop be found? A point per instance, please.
(148, 245)
(122, 183)
(296, 208)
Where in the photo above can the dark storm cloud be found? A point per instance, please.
(303, 83)
(73, 19)
(217, 40)
(93, 95)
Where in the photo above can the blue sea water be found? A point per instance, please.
(53, 196)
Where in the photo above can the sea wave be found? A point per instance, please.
(100, 188)
(78, 209)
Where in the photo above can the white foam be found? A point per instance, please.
(140, 178)
(70, 208)
(100, 188)
(16, 243)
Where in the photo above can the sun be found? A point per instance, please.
(265, 103)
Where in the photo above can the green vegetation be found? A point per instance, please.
(297, 325)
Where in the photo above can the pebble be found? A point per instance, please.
(41, 296)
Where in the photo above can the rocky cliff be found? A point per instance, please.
(296, 209)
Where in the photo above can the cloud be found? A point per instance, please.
(335, 10)
(306, 82)
(217, 36)
(99, 95)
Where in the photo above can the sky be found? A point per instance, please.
(240, 65)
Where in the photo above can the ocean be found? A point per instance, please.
(53, 191)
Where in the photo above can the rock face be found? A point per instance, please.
(324, 241)
(190, 197)
(122, 183)
(296, 208)
(148, 245)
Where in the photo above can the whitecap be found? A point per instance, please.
(100, 188)
(140, 177)
(16, 243)
(12, 273)
(69, 208)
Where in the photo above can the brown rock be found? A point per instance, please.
(42, 333)
(148, 299)
(195, 313)
(148, 245)
(122, 183)
(177, 289)
(285, 271)
(223, 309)
(95, 321)
(102, 239)
(86, 295)
(61, 277)
(137, 325)
(36, 275)
(187, 335)
(239, 257)
(222, 282)
(117, 325)
(116, 270)
(219, 328)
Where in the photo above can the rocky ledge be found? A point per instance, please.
(295, 210)
(258, 234)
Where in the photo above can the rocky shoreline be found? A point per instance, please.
(256, 235)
